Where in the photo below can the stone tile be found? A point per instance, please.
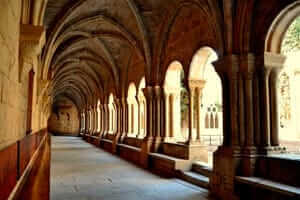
(81, 171)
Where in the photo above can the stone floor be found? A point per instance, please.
(81, 171)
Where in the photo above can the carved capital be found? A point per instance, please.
(273, 60)
(228, 65)
(158, 92)
(197, 84)
(148, 92)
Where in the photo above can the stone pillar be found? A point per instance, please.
(167, 117)
(124, 119)
(86, 122)
(266, 122)
(118, 126)
(148, 139)
(274, 63)
(228, 154)
(139, 118)
(191, 113)
(200, 86)
(105, 120)
(247, 68)
(158, 117)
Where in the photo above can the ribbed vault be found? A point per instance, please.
(97, 47)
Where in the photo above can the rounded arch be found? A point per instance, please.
(200, 60)
(279, 27)
(173, 75)
(132, 110)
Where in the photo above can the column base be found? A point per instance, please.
(226, 163)
(271, 150)
(145, 150)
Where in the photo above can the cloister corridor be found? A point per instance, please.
(80, 171)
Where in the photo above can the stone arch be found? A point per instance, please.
(277, 63)
(142, 108)
(201, 59)
(111, 113)
(173, 90)
(132, 110)
(279, 27)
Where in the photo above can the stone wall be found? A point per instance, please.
(13, 94)
(64, 119)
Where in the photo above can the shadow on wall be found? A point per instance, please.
(64, 120)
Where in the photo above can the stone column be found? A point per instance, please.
(118, 126)
(228, 154)
(105, 120)
(148, 139)
(139, 118)
(247, 68)
(200, 86)
(191, 113)
(101, 120)
(275, 63)
(149, 103)
(265, 137)
(86, 121)
(167, 117)
(124, 119)
(157, 117)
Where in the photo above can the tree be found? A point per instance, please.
(291, 40)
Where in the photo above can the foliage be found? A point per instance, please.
(291, 40)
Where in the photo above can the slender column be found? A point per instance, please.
(101, 119)
(94, 120)
(167, 116)
(274, 106)
(125, 118)
(86, 122)
(191, 113)
(198, 110)
(200, 87)
(139, 119)
(118, 118)
(171, 116)
(105, 120)
(265, 107)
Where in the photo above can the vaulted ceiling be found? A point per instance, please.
(95, 47)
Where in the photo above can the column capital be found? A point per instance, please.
(197, 84)
(247, 65)
(158, 92)
(149, 92)
(273, 60)
(229, 64)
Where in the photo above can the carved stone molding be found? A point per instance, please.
(197, 83)
(274, 60)
(32, 40)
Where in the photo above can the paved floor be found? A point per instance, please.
(80, 171)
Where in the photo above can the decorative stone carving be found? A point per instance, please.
(32, 40)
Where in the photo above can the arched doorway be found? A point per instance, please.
(132, 111)
(206, 89)
(142, 109)
(281, 58)
(176, 104)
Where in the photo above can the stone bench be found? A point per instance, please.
(269, 185)
(130, 153)
(167, 164)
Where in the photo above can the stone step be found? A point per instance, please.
(202, 169)
(195, 179)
